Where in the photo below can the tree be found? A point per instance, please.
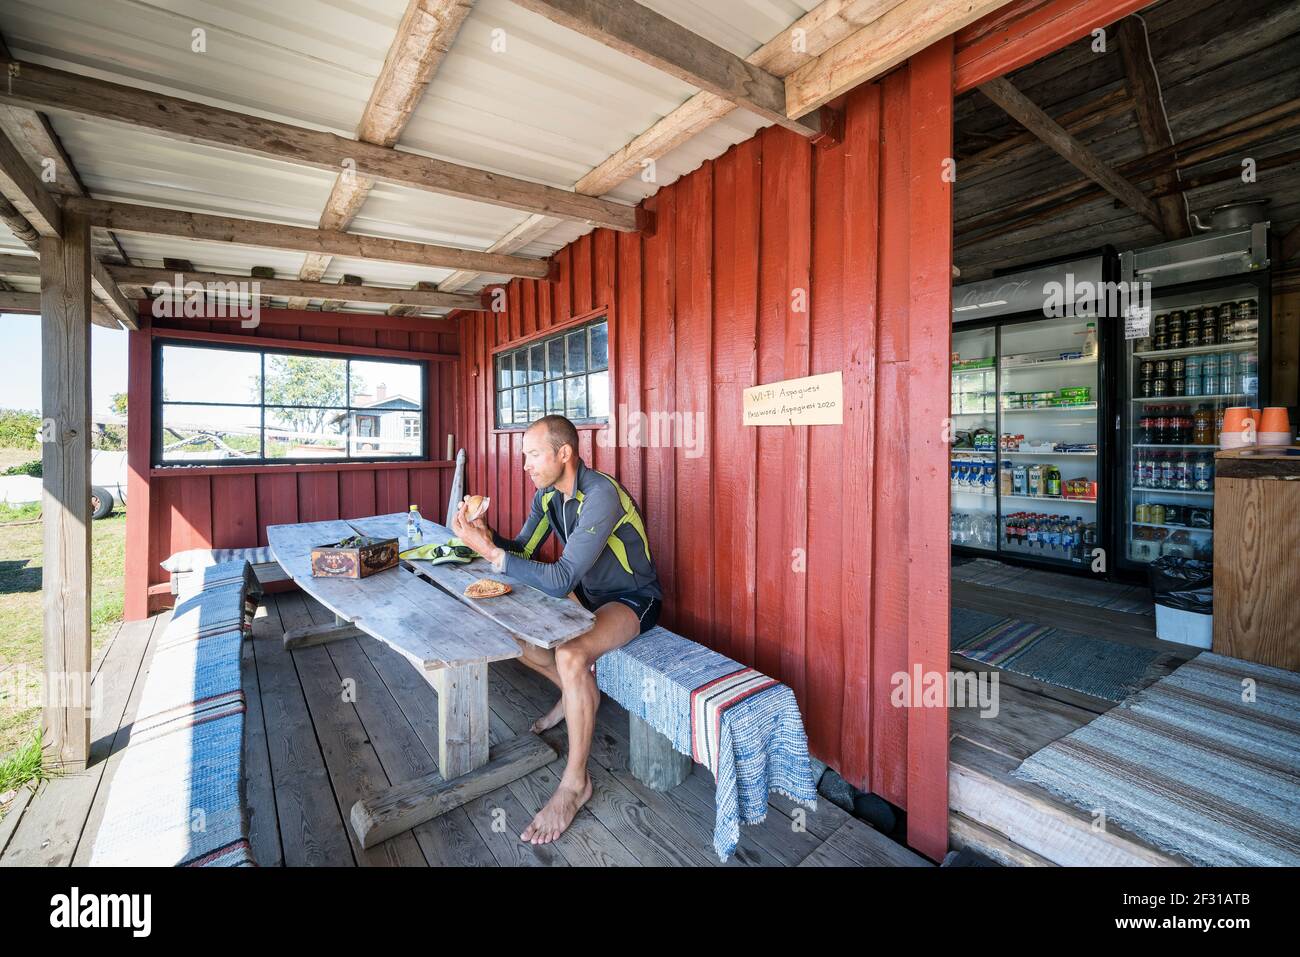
(117, 402)
(310, 389)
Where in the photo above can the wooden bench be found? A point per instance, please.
(177, 797)
(184, 565)
(674, 689)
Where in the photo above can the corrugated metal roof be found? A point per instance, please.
(548, 107)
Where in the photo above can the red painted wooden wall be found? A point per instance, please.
(817, 554)
(170, 510)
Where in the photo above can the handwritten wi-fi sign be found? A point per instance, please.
(812, 400)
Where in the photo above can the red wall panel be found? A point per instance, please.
(818, 554)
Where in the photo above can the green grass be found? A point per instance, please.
(27, 512)
(23, 765)
(20, 622)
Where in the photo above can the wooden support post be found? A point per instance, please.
(462, 718)
(65, 461)
(652, 759)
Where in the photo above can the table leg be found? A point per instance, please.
(469, 769)
(462, 718)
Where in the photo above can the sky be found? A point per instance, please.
(20, 366)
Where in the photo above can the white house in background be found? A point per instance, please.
(383, 424)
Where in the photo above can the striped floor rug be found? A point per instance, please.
(1204, 764)
(1135, 599)
(1110, 670)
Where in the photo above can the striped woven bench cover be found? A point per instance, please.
(742, 725)
(177, 796)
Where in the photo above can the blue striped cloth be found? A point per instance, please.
(763, 745)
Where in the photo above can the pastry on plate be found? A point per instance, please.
(487, 588)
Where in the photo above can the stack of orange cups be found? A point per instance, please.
(1274, 427)
(1239, 428)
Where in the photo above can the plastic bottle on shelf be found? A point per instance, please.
(1090, 341)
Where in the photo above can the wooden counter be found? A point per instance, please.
(1257, 556)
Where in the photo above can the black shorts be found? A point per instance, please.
(645, 607)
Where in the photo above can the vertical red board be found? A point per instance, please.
(234, 511)
(857, 474)
(889, 464)
(627, 376)
(357, 494)
(139, 427)
(930, 240)
(828, 326)
(692, 436)
(659, 391)
(581, 275)
(733, 458)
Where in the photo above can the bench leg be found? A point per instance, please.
(652, 758)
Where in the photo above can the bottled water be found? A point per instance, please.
(414, 530)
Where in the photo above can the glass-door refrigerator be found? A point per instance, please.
(1206, 350)
(1042, 433)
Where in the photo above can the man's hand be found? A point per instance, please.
(475, 534)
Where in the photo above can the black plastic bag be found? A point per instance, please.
(1183, 583)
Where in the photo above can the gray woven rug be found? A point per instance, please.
(1193, 764)
(1135, 599)
(1110, 670)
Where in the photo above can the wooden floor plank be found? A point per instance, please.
(1025, 722)
(67, 809)
(311, 827)
(355, 771)
(867, 847)
(259, 787)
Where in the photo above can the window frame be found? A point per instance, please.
(589, 317)
(157, 404)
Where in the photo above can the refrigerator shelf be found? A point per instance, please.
(1181, 528)
(1159, 445)
(1197, 350)
(1049, 364)
(1053, 454)
(1090, 407)
(1172, 491)
(1167, 399)
(1048, 498)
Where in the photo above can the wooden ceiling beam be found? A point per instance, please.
(1144, 87)
(641, 33)
(29, 304)
(146, 276)
(880, 46)
(160, 221)
(89, 98)
(24, 190)
(425, 34)
(32, 202)
(1025, 112)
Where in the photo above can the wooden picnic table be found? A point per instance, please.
(419, 610)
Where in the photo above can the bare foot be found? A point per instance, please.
(552, 820)
(550, 719)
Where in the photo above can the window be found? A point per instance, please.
(566, 374)
(237, 406)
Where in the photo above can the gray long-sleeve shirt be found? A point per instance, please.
(605, 545)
